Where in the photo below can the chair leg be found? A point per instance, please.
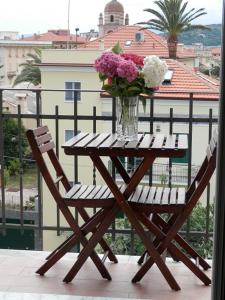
(172, 249)
(102, 242)
(91, 244)
(185, 245)
(59, 247)
(58, 254)
(75, 238)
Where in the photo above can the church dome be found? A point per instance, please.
(114, 6)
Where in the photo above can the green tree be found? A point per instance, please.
(173, 18)
(30, 72)
(11, 140)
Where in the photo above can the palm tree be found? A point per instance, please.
(31, 72)
(172, 18)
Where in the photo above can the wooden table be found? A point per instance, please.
(149, 147)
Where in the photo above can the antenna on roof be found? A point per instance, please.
(68, 25)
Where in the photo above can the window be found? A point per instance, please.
(69, 133)
(184, 159)
(70, 95)
(111, 18)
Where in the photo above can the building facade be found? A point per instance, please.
(12, 54)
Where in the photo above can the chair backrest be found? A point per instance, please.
(41, 142)
(204, 174)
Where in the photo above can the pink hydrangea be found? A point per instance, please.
(127, 69)
(108, 63)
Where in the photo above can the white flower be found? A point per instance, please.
(154, 71)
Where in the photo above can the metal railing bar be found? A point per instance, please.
(21, 167)
(2, 165)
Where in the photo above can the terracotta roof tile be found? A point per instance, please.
(50, 36)
(153, 44)
(216, 51)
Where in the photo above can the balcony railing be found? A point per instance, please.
(17, 204)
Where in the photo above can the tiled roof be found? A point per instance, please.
(52, 37)
(186, 81)
(153, 44)
(216, 51)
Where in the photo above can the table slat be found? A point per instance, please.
(109, 141)
(145, 143)
(182, 141)
(134, 144)
(75, 139)
(170, 142)
(98, 141)
(158, 141)
(86, 140)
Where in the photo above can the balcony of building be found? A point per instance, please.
(25, 230)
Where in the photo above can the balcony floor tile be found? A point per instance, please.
(18, 275)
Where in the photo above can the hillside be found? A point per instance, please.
(207, 37)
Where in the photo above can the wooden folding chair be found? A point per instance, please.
(179, 204)
(78, 196)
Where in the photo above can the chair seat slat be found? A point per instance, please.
(136, 195)
(181, 196)
(144, 194)
(87, 191)
(158, 195)
(151, 195)
(101, 192)
(80, 192)
(94, 192)
(173, 196)
(73, 191)
(165, 196)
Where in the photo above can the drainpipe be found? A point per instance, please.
(218, 286)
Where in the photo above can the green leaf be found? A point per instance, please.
(117, 49)
(133, 89)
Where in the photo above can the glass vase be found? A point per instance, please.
(127, 118)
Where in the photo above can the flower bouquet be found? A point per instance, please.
(127, 76)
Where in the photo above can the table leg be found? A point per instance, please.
(121, 199)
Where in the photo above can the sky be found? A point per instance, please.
(37, 16)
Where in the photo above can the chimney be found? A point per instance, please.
(196, 64)
(22, 101)
(101, 45)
